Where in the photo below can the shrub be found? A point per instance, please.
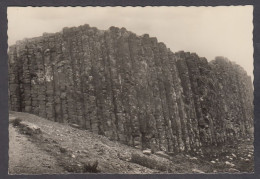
(16, 122)
(91, 168)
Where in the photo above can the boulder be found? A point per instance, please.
(233, 170)
(29, 128)
(197, 171)
(147, 152)
(162, 154)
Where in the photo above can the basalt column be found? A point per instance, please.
(131, 88)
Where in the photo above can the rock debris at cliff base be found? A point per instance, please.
(131, 88)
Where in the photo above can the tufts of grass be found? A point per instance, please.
(86, 168)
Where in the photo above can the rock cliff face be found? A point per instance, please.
(130, 88)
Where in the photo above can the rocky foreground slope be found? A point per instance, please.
(40, 146)
(131, 88)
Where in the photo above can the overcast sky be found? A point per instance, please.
(208, 31)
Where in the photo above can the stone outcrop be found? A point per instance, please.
(130, 88)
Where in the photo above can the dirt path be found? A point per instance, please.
(26, 158)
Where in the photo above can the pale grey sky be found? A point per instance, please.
(208, 31)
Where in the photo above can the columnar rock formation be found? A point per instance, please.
(130, 88)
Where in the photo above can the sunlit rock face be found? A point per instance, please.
(130, 88)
